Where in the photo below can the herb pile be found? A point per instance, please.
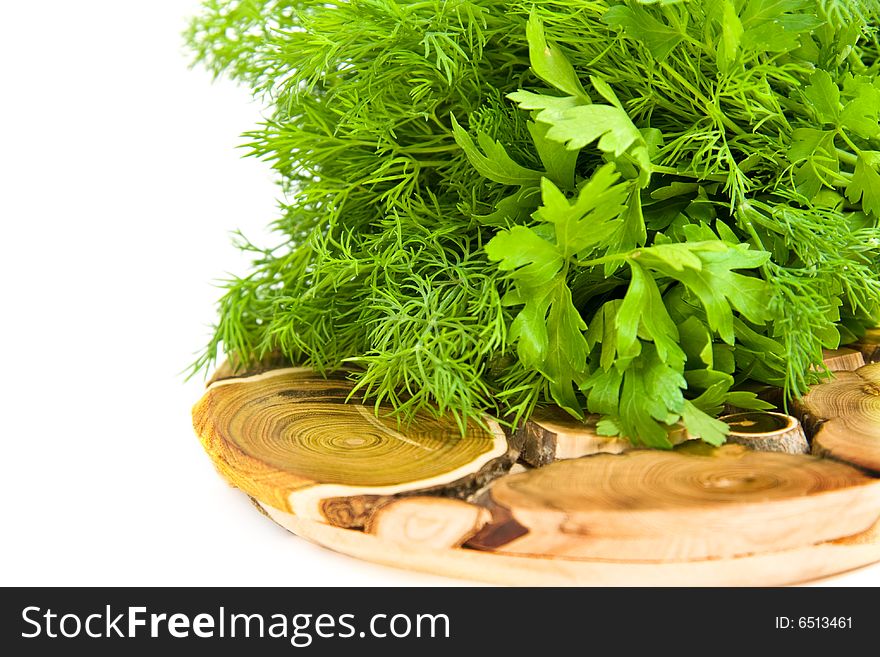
(624, 208)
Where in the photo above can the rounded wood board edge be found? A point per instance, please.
(780, 568)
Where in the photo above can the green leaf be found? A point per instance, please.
(604, 89)
(865, 183)
(607, 427)
(529, 329)
(603, 330)
(642, 314)
(565, 364)
(591, 218)
(725, 232)
(717, 286)
(492, 160)
(513, 209)
(813, 154)
(549, 330)
(575, 122)
(748, 400)
(703, 426)
(558, 161)
(696, 342)
(861, 113)
(632, 232)
(638, 24)
(529, 100)
(823, 95)
(653, 138)
(678, 256)
(579, 126)
(777, 25)
(650, 399)
(675, 189)
(535, 260)
(549, 334)
(603, 388)
(731, 33)
(714, 386)
(550, 64)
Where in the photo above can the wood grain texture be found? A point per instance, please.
(430, 521)
(767, 432)
(694, 503)
(768, 569)
(844, 359)
(552, 434)
(844, 414)
(288, 438)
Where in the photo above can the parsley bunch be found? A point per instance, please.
(625, 208)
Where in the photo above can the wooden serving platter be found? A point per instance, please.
(428, 496)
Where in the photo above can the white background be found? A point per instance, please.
(119, 186)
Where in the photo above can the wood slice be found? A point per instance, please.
(429, 521)
(288, 438)
(767, 569)
(845, 416)
(767, 432)
(869, 345)
(552, 434)
(842, 360)
(692, 503)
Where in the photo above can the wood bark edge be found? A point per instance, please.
(767, 432)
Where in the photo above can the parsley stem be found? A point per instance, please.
(846, 156)
(657, 168)
(849, 141)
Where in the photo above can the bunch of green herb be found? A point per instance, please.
(624, 208)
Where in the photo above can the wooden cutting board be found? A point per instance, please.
(433, 496)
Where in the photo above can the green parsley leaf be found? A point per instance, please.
(492, 160)
(865, 183)
(638, 23)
